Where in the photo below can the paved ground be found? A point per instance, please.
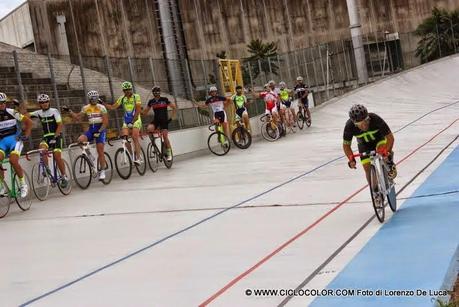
(213, 227)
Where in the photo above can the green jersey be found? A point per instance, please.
(239, 101)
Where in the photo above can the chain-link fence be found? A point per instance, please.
(329, 69)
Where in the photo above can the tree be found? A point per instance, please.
(262, 55)
(439, 35)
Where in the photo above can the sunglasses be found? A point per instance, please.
(43, 102)
(2, 102)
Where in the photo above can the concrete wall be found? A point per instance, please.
(16, 27)
(230, 25)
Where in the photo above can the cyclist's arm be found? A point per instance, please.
(104, 122)
(146, 110)
(347, 150)
(76, 116)
(138, 109)
(390, 142)
(27, 125)
(173, 106)
(113, 106)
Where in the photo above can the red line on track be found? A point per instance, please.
(301, 233)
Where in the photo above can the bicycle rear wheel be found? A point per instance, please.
(40, 182)
(376, 196)
(218, 143)
(123, 164)
(241, 138)
(300, 120)
(24, 203)
(5, 202)
(153, 157)
(82, 171)
(108, 169)
(64, 188)
(142, 168)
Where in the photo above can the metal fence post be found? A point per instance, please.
(131, 73)
(369, 56)
(316, 80)
(18, 76)
(280, 69)
(270, 69)
(188, 75)
(250, 75)
(56, 93)
(328, 75)
(108, 68)
(321, 64)
(306, 67)
(152, 71)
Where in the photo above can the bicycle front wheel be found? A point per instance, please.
(167, 163)
(391, 195)
(269, 131)
(300, 120)
(108, 169)
(65, 186)
(25, 202)
(40, 182)
(218, 143)
(82, 171)
(142, 167)
(241, 138)
(123, 164)
(376, 196)
(153, 157)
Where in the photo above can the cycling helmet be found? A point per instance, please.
(126, 85)
(357, 113)
(93, 95)
(3, 97)
(213, 89)
(271, 82)
(282, 84)
(299, 78)
(42, 98)
(156, 88)
(238, 87)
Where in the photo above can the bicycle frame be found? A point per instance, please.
(42, 166)
(11, 192)
(84, 151)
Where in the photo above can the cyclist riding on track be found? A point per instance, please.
(372, 133)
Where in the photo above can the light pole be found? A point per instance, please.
(357, 42)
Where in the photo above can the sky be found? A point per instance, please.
(7, 6)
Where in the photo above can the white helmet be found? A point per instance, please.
(282, 84)
(3, 97)
(42, 98)
(299, 78)
(213, 89)
(93, 95)
(272, 82)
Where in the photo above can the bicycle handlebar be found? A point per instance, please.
(368, 153)
(31, 152)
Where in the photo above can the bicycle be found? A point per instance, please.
(24, 203)
(43, 179)
(269, 129)
(241, 136)
(218, 143)
(381, 187)
(302, 118)
(84, 168)
(124, 158)
(155, 154)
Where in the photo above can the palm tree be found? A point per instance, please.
(263, 58)
(439, 35)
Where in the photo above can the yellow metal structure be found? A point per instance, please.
(230, 77)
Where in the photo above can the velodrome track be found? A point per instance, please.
(272, 217)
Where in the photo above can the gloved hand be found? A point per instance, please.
(130, 125)
(351, 162)
(66, 108)
(96, 134)
(382, 150)
(52, 141)
(22, 138)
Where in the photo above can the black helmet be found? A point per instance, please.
(156, 88)
(358, 113)
(239, 87)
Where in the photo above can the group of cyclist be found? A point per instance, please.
(371, 131)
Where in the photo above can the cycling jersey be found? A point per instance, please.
(159, 106)
(9, 122)
(129, 105)
(239, 101)
(217, 103)
(9, 119)
(270, 97)
(49, 120)
(94, 113)
(284, 95)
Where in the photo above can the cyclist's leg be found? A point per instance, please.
(2, 172)
(246, 119)
(224, 122)
(125, 133)
(100, 143)
(14, 158)
(136, 140)
(57, 153)
(44, 146)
